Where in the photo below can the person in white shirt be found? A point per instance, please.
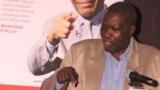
(61, 32)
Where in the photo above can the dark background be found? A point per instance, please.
(149, 20)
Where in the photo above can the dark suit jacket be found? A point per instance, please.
(87, 57)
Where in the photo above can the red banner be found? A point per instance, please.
(14, 87)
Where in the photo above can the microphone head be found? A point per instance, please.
(135, 77)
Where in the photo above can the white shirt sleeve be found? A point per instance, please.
(51, 48)
(58, 85)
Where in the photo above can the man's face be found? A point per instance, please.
(88, 8)
(115, 32)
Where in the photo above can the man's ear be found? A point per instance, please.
(132, 29)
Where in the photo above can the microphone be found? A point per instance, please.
(135, 77)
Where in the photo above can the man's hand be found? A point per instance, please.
(62, 27)
(67, 74)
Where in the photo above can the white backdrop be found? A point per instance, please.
(21, 24)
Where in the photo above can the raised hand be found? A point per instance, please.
(61, 27)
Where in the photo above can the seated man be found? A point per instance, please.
(102, 64)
